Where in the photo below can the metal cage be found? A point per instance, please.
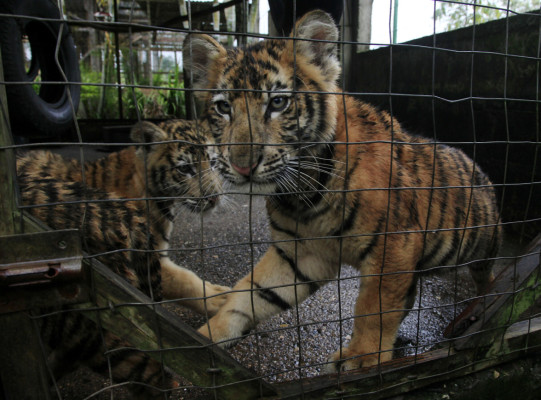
(476, 88)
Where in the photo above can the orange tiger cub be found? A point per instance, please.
(346, 185)
(169, 176)
(171, 165)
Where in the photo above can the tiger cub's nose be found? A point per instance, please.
(245, 171)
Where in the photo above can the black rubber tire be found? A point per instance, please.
(52, 111)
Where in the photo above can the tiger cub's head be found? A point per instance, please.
(269, 104)
(180, 162)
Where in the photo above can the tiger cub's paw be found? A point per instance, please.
(221, 333)
(216, 297)
(347, 360)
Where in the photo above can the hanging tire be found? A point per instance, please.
(41, 108)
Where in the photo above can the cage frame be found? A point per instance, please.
(477, 347)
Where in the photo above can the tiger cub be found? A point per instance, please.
(170, 165)
(346, 185)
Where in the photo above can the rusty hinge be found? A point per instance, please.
(38, 258)
(47, 265)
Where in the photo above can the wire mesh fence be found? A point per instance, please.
(184, 211)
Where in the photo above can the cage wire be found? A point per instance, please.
(137, 48)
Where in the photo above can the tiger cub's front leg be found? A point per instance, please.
(276, 284)
(181, 283)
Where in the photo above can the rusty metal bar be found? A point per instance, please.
(40, 258)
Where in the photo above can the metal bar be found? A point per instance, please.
(395, 21)
(43, 257)
(178, 20)
(118, 67)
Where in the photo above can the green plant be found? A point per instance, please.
(175, 99)
(468, 12)
(99, 99)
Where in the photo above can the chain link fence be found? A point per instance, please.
(80, 74)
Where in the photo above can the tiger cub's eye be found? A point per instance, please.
(278, 103)
(223, 107)
(185, 168)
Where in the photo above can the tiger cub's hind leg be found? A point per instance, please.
(482, 275)
(181, 283)
(482, 271)
(384, 295)
(87, 347)
(149, 378)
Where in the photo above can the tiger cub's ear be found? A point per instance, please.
(198, 54)
(320, 27)
(147, 132)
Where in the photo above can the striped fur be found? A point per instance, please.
(178, 171)
(345, 183)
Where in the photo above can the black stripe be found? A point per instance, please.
(347, 224)
(267, 65)
(88, 342)
(457, 233)
(313, 286)
(324, 175)
(427, 258)
(137, 373)
(440, 187)
(381, 115)
(272, 53)
(274, 225)
(93, 176)
(51, 191)
(118, 168)
(241, 313)
(272, 297)
(368, 249)
(166, 210)
(104, 173)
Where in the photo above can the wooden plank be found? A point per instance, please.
(128, 313)
(509, 279)
(517, 289)
(17, 351)
(523, 334)
(8, 206)
(373, 382)
(22, 360)
(400, 376)
(389, 379)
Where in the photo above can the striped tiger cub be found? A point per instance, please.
(345, 184)
(170, 166)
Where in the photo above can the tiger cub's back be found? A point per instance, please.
(457, 206)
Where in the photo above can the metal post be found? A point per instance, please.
(395, 21)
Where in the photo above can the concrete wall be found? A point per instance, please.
(477, 84)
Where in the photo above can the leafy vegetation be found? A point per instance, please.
(100, 97)
(456, 15)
